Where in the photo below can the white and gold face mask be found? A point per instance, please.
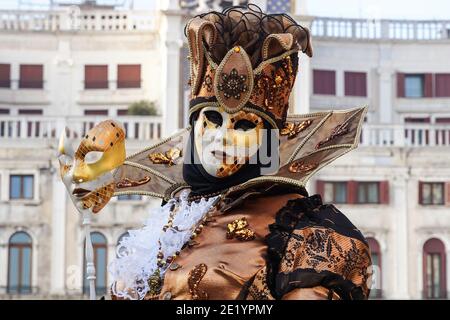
(87, 173)
(224, 141)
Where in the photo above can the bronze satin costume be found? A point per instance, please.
(315, 262)
(265, 237)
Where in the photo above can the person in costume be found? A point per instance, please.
(236, 221)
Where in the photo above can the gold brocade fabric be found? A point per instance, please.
(301, 249)
(230, 263)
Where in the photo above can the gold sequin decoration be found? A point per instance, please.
(292, 129)
(195, 276)
(166, 158)
(238, 229)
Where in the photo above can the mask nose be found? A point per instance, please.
(223, 136)
(79, 174)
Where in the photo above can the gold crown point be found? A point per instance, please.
(237, 49)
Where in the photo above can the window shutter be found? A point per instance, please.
(428, 87)
(384, 192)
(355, 84)
(442, 84)
(96, 77)
(352, 191)
(324, 82)
(5, 75)
(400, 85)
(447, 194)
(420, 192)
(31, 76)
(129, 76)
(320, 185)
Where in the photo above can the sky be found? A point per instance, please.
(378, 9)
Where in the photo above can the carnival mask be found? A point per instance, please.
(224, 141)
(87, 173)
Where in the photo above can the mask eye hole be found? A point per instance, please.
(214, 117)
(244, 125)
(93, 156)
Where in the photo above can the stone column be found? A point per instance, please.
(399, 237)
(61, 81)
(112, 76)
(4, 258)
(58, 239)
(171, 29)
(15, 76)
(340, 86)
(385, 74)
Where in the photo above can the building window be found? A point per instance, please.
(375, 252)
(96, 77)
(434, 275)
(442, 84)
(21, 187)
(127, 197)
(354, 192)
(31, 76)
(335, 192)
(19, 263)
(431, 193)
(355, 84)
(368, 192)
(414, 86)
(36, 112)
(5, 75)
(129, 76)
(99, 245)
(96, 112)
(324, 82)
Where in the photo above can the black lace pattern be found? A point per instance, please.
(311, 244)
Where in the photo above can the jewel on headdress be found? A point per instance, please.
(233, 84)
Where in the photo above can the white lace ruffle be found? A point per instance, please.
(137, 253)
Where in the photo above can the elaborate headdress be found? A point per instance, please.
(244, 60)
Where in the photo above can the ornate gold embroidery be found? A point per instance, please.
(208, 83)
(238, 228)
(195, 276)
(299, 166)
(125, 183)
(166, 158)
(292, 129)
(339, 130)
